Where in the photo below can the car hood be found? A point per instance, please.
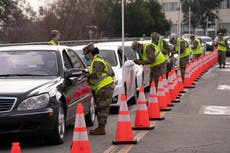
(10, 86)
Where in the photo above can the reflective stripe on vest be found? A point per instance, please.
(158, 55)
(198, 49)
(104, 80)
(222, 46)
(187, 50)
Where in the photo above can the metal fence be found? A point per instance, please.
(72, 42)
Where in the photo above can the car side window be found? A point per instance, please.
(75, 60)
(120, 56)
(67, 62)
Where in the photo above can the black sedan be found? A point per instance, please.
(39, 89)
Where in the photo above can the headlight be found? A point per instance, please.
(34, 102)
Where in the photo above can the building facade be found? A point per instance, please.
(171, 10)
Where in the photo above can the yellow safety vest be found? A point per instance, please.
(160, 45)
(104, 80)
(222, 46)
(52, 42)
(187, 50)
(158, 54)
(198, 50)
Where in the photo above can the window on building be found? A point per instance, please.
(225, 4)
(170, 6)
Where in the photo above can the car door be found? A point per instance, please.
(80, 91)
(129, 76)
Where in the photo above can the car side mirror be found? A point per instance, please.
(73, 72)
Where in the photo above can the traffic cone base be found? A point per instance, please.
(190, 87)
(124, 142)
(159, 119)
(171, 105)
(176, 101)
(143, 128)
(165, 109)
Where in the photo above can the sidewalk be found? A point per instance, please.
(200, 123)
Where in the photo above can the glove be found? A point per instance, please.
(138, 61)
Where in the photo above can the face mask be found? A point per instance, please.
(86, 58)
(59, 37)
(155, 41)
(138, 52)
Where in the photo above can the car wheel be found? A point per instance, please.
(57, 137)
(90, 117)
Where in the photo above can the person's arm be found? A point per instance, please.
(166, 48)
(194, 45)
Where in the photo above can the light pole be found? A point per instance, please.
(189, 20)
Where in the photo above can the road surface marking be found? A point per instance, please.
(223, 87)
(215, 110)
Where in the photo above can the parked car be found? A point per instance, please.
(206, 43)
(112, 52)
(40, 87)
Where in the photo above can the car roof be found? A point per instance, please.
(203, 37)
(34, 47)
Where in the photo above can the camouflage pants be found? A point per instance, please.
(221, 57)
(157, 71)
(103, 100)
(183, 63)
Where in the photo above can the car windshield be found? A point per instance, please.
(109, 56)
(28, 63)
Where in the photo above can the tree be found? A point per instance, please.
(202, 11)
(14, 21)
(140, 17)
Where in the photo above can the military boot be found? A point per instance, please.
(100, 130)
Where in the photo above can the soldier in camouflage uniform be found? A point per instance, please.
(100, 76)
(150, 54)
(222, 48)
(165, 49)
(184, 51)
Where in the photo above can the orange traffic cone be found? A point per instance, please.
(80, 143)
(142, 117)
(153, 105)
(15, 147)
(166, 90)
(161, 96)
(181, 86)
(124, 133)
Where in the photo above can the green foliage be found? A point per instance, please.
(140, 17)
(201, 10)
(224, 31)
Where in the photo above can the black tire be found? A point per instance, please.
(90, 117)
(57, 137)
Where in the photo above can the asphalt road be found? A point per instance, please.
(198, 124)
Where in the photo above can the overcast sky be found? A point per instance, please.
(38, 3)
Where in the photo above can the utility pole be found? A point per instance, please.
(123, 39)
(206, 31)
(189, 20)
